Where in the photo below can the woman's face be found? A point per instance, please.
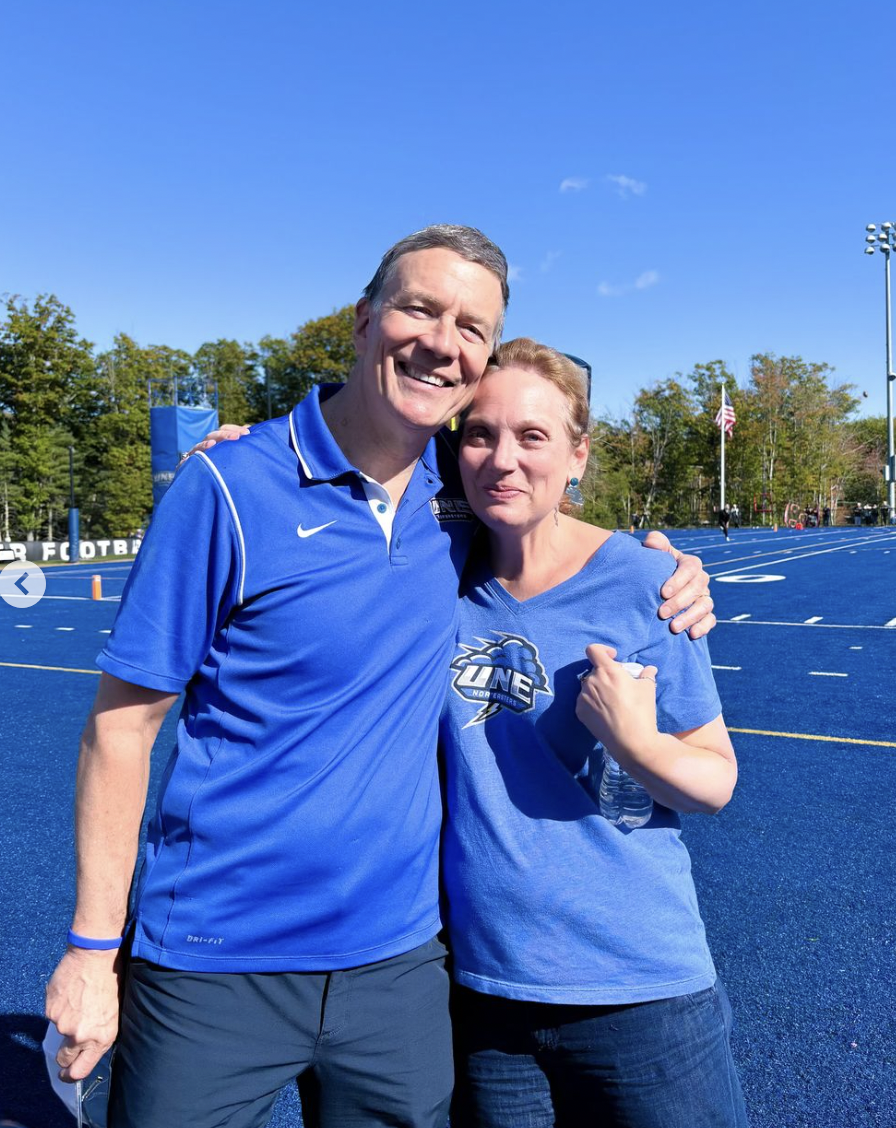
(515, 454)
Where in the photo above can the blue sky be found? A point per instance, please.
(671, 183)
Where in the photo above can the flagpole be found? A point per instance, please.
(722, 431)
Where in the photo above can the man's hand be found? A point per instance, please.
(83, 1000)
(224, 432)
(686, 590)
(113, 770)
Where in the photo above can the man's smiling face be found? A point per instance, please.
(425, 343)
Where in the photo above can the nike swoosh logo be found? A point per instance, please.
(310, 532)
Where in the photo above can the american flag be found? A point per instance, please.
(725, 415)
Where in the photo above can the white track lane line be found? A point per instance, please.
(808, 626)
(785, 560)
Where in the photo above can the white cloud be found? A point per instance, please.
(625, 185)
(643, 282)
(573, 184)
(548, 261)
(514, 273)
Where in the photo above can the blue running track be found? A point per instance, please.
(795, 876)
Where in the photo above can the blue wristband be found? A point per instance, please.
(88, 942)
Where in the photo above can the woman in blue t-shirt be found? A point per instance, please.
(585, 991)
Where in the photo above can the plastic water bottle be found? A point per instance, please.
(623, 801)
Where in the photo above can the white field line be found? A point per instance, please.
(890, 623)
(781, 560)
(727, 667)
(740, 618)
(810, 626)
(846, 544)
(826, 674)
(804, 539)
(814, 619)
(71, 598)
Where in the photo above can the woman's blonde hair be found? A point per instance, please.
(557, 369)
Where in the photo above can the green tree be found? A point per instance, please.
(43, 364)
(321, 351)
(863, 481)
(797, 416)
(171, 372)
(112, 433)
(234, 369)
(608, 486)
(663, 420)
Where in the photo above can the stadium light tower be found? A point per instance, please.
(884, 241)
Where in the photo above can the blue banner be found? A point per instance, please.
(172, 432)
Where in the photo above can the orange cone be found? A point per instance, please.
(96, 587)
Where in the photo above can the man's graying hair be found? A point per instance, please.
(467, 242)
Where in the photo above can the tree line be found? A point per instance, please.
(795, 443)
(795, 440)
(58, 392)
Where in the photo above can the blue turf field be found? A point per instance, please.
(795, 877)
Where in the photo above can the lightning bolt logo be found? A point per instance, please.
(503, 672)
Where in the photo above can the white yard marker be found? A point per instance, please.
(855, 648)
(740, 618)
(109, 632)
(22, 627)
(814, 619)
(727, 667)
(826, 674)
(65, 628)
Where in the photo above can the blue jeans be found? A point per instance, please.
(662, 1064)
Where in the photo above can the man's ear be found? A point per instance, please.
(362, 324)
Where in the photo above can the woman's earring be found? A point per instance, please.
(573, 492)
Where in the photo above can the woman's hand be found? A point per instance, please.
(616, 708)
(224, 432)
(686, 771)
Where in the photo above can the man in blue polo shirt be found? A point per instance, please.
(300, 587)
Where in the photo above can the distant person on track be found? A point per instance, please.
(724, 518)
(300, 586)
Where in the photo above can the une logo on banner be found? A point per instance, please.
(172, 432)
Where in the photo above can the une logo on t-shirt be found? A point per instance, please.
(506, 673)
